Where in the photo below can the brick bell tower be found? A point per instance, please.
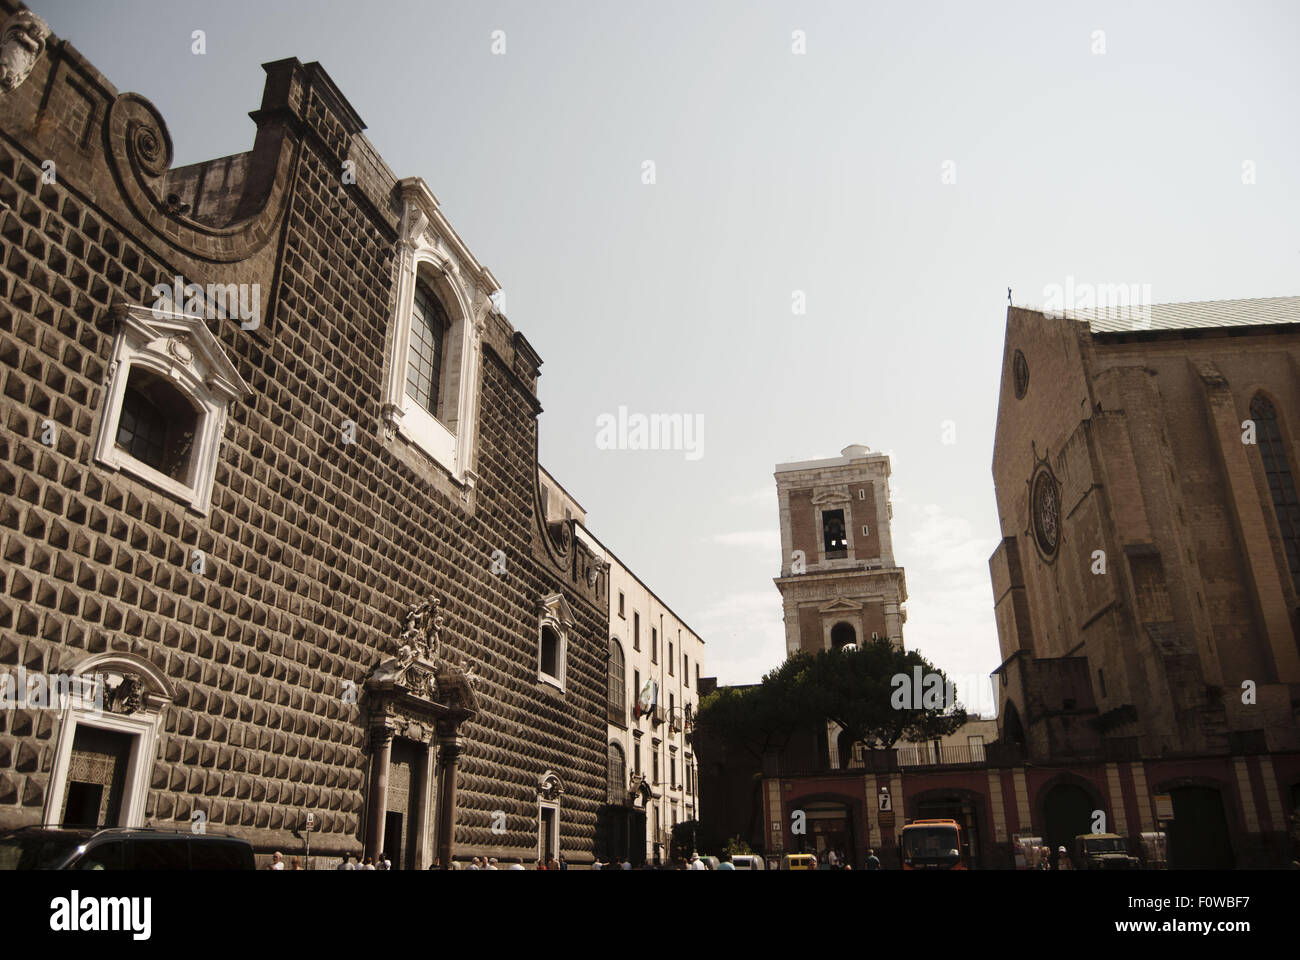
(839, 583)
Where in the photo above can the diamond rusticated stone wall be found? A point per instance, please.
(314, 547)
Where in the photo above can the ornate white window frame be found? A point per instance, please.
(182, 350)
(429, 251)
(556, 614)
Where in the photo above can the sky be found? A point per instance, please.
(891, 168)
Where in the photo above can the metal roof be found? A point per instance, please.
(1264, 311)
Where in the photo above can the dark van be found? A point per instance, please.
(119, 848)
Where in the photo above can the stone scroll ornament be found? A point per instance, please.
(22, 41)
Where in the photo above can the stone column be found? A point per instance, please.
(893, 623)
(449, 746)
(423, 820)
(381, 743)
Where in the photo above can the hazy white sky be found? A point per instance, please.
(777, 172)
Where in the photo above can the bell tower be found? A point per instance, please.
(839, 583)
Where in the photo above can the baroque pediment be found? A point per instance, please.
(555, 607)
(841, 604)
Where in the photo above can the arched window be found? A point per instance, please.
(617, 683)
(424, 358)
(1281, 483)
(841, 634)
(616, 772)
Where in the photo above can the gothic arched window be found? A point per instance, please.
(616, 771)
(1281, 482)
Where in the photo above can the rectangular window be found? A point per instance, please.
(671, 660)
(636, 630)
(620, 605)
(636, 689)
(697, 674)
(834, 540)
(866, 530)
(672, 767)
(655, 759)
(686, 670)
(862, 493)
(654, 645)
(638, 757)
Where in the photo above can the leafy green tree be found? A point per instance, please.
(870, 692)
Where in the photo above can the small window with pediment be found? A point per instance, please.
(170, 389)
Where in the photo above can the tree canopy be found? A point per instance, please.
(877, 694)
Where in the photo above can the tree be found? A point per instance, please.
(858, 690)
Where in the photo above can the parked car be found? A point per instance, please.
(1103, 851)
(800, 861)
(747, 861)
(120, 848)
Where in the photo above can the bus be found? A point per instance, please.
(932, 845)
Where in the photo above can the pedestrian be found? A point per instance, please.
(1063, 861)
(553, 864)
(627, 864)
(277, 861)
(436, 865)
(564, 864)
(492, 864)
(832, 859)
(1044, 859)
(474, 865)
(873, 861)
(725, 863)
(368, 864)
(384, 862)
(540, 865)
(345, 863)
(696, 863)
(293, 864)
(516, 864)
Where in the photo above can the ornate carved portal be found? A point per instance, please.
(422, 694)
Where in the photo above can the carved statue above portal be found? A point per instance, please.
(22, 41)
(549, 786)
(423, 666)
(127, 697)
(422, 630)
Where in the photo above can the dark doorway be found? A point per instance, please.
(547, 830)
(393, 838)
(1198, 835)
(400, 840)
(1068, 811)
(964, 811)
(830, 827)
(96, 777)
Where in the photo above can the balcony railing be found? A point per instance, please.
(927, 755)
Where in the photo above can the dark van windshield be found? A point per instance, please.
(931, 844)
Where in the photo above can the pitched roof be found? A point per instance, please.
(1264, 311)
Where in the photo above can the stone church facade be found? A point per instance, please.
(1147, 586)
(268, 475)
